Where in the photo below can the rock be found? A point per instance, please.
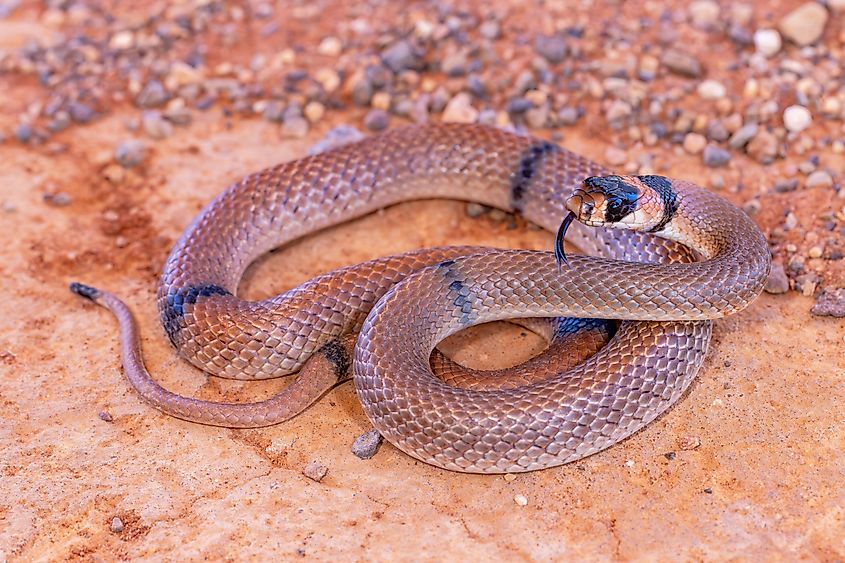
(152, 95)
(402, 55)
(681, 63)
(460, 110)
(24, 133)
(615, 157)
(377, 120)
(130, 153)
(362, 91)
(777, 281)
(455, 65)
(81, 112)
(819, 179)
(830, 303)
(716, 131)
(796, 118)
(330, 46)
(807, 284)
(537, 118)
(314, 111)
(568, 116)
(155, 125)
(711, 90)
(294, 126)
(366, 445)
(551, 47)
(490, 29)
(476, 209)
(315, 471)
(714, 156)
(60, 199)
(704, 13)
(767, 42)
(617, 110)
(519, 105)
(694, 143)
(116, 525)
(763, 147)
(337, 136)
(743, 135)
(106, 416)
(805, 24)
(815, 252)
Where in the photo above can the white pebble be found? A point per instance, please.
(767, 42)
(711, 90)
(797, 118)
(521, 500)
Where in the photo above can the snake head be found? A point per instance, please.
(621, 202)
(637, 203)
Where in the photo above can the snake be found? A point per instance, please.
(662, 259)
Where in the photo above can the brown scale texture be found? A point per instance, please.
(645, 367)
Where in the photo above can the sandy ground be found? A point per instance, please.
(765, 480)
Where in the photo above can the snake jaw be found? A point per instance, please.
(560, 253)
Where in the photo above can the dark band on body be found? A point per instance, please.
(463, 297)
(529, 164)
(174, 307)
(667, 193)
(335, 352)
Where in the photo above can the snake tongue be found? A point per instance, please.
(560, 254)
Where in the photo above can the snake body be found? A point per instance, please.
(649, 282)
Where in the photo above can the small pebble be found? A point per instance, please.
(521, 500)
(670, 455)
(106, 416)
(615, 156)
(552, 48)
(815, 252)
(60, 199)
(377, 120)
(460, 110)
(694, 143)
(708, 490)
(24, 132)
(689, 442)
(819, 179)
(830, 303)
(490, 29)
(805, 24)
(330, 47)
(796, 118)
(476, 209)
(130, 153)
(152, 95)
(715, 156)
(777, 281)
(681, 63)
(767, 42)
(743, 135)
(294, 126)
(155, 125)
(367, 444)
(400, 56)
(510, 477)
(314, 111)
(315, 471)
(116, 526)
(711, 90)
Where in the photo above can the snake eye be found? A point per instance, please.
(614, 204)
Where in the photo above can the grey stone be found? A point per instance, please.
(130, 153)
(777, 282)
(377, 120)
(715, 156)
(551, 47)
(367, 444)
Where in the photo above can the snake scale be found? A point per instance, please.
(641, 273)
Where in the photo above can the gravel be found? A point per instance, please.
(377, 120)
(315, 471)
(743, 135)
(715, 156)
(819, 179)
(130, 153)
(551, 47)
(796, 118)
(367, 444)
(805, 24)
(682, 63)
(777, 282)
(767, 42)
(402, 55)
(830, 303)
(116, 525)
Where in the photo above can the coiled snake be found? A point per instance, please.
(401, 307)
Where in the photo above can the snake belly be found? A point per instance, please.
(645, 368)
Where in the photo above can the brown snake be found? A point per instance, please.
(401, 307)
